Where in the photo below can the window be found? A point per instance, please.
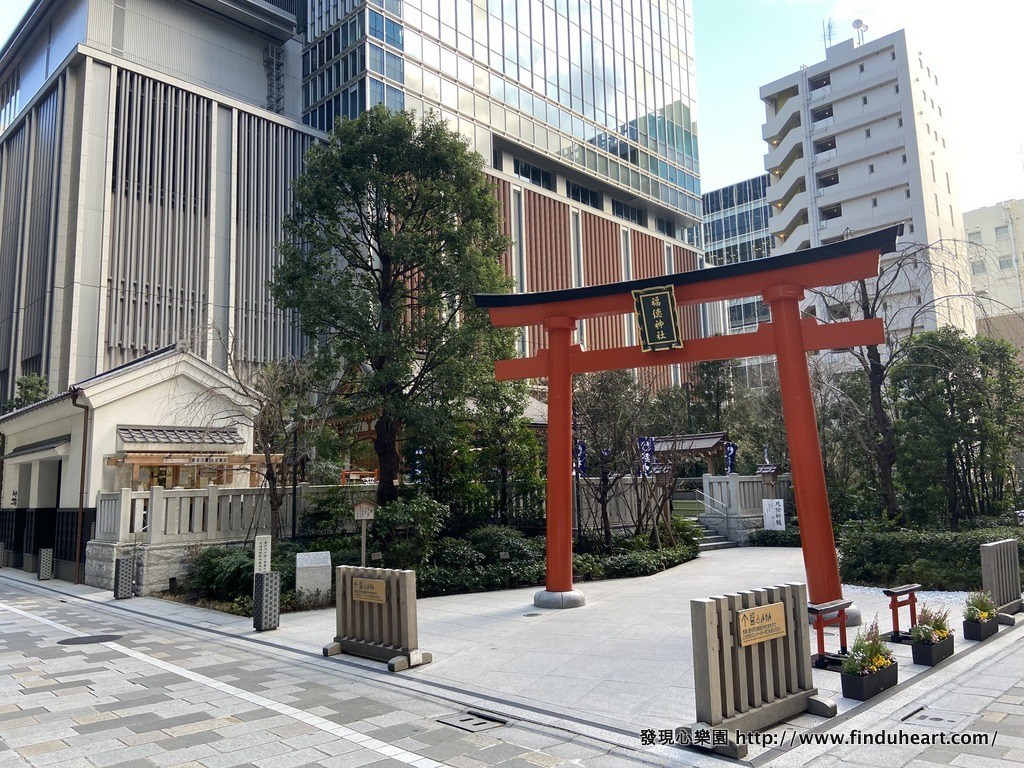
(911, 227)
(899, 122)
(861, 67)
(978, 268)
(871, 167)
(892, 55)
(665, 226)
(867, 133)
(629, 213)
(584, 195)
(907, 193)
(896, 88)
(376, 25)
(903, 159)
(974, 237)
(532, 174)
(863, 99)
(1006, 262)
(874, 202)
(1003, 232)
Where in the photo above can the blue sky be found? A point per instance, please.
(743, 44)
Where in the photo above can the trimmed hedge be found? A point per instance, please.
(787, 538)
(946, 560)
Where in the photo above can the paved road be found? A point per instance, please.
(166, 695)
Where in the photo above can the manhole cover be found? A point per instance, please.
(89, 639)
(472, 722)
(932, 718)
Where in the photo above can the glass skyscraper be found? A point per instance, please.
(582, 109)
(604, 87)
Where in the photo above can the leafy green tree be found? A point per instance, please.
(30, 389)
(394, 228)
(960, 418)
(508, 451)
(711, 393)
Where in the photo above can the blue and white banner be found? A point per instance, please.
(646, 446)
(730, 458)
(581, 457)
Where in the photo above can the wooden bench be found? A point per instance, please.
(822, 613)
(899, 597)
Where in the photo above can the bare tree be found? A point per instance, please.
(894, 295)
(282, 403)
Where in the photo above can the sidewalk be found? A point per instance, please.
(603, 672)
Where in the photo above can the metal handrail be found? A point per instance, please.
(723, 512)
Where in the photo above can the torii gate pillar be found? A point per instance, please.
(804, 448)
(558, 591)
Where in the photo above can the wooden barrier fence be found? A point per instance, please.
(1000, 577)
(747, 683)
(376, 616)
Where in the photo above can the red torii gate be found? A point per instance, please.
(781, 281)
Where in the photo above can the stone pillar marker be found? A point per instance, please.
(313, 574)
(262, 555)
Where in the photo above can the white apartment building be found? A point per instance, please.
(995, 237)
(856, 144)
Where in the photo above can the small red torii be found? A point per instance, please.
(781, 282)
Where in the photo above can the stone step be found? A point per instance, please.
(712, 539)
(707, 547)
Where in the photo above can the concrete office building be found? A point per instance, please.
(994, 234)
(856, 144)
(584, 113)
(145, 157)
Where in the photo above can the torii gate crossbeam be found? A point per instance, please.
(781, 281)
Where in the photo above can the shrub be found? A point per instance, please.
(327, 514)
(222, 573)
(632, 564)
(787, 538)
(492, 540)
(678, 555)
(455, 553)
(948, 560)
(405, 530)
(587, 567)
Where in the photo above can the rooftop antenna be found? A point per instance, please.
(861, 28)
(828, 31)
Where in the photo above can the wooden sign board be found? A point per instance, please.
(657, 318)
(758, 625)
(774, 511)
(364, 510)
(370, 590)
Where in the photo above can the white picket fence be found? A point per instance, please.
(194, 516)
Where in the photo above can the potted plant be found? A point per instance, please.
(980, 616)
(931, 638)
(869, 668)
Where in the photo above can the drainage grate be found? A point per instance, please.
(472, 721)
(89, 639)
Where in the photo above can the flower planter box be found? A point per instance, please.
(930, 654)
(980, 630)
(863, 687)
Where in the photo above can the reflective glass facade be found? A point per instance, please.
(602, 86)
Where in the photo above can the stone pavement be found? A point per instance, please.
(576, 686)
(164, 694)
